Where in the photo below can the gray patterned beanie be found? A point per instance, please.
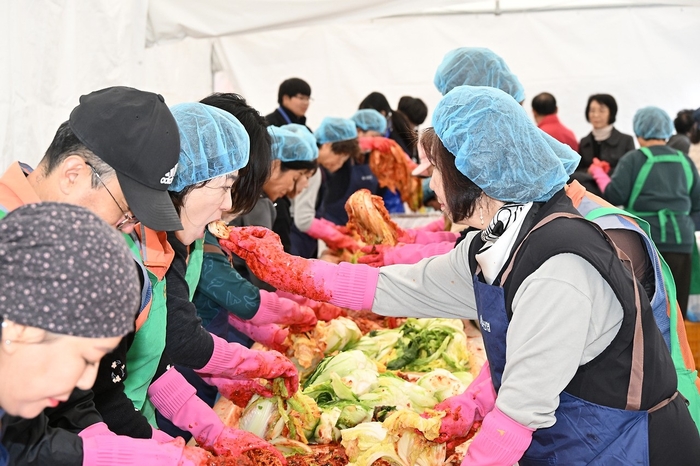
(64, 270)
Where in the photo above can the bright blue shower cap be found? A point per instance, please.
(475, 66)
(652, 123)
(496, 145)
(212, 143)
(290, 146)
(335, 129)
(368, 119)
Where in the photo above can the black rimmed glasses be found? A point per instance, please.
(128, 218)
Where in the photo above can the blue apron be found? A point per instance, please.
(360, 177)
(585, 432)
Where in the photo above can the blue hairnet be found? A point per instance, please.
(212, 143)
(306, 134)
(368, 119)
(334, 129)
(289, 146)
(496, 145)
(475, 66)
(652, 123)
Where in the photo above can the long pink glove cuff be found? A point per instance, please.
(350, 285)
(321, 228)
(177, 400)
(270, 335)
(500, 442)
(482, 392)
(118, 450)
(160, 436)
(276, 310)
(223, 356)
(437, 225)
(426, 237)
(601, 178)
(413, 253)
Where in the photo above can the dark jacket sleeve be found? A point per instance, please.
(221, 286)
(111, 401)
(52, 437)
(187, 342)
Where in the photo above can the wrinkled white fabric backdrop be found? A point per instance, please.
(54, 51)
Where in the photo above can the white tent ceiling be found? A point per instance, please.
(642, 52)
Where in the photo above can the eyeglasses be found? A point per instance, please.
(304, 98)
(128, 218)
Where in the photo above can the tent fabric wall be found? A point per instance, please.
(641, 56)
(55, 51)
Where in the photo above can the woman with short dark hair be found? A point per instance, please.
(604, 141)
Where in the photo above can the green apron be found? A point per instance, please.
(148, 346)
(686, 377)
(194, 265)
(149, 342)
(664, 215)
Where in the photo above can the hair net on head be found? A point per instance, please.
(289, 146)
(305, 134)
(652, 123)
(475, 66)
(212, 143)
(333, 129)
(369, 119)
(496, 145)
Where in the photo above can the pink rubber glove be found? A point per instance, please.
(177, 401)
(437, 225)
(234, 361)
(500, 442)
(323, 311)
(270, 335)
(599, 174)
(330, 234)
(118, 450)
(472, 405)
(160, 436)
(411, 236)
(276, 310)
(403, 254)
(346, 285)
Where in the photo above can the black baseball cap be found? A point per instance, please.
(134, 132)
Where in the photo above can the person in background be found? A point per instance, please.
(64, 258)
(293, 97)
(414, 108)
(369, 122)
(694, 151)
(416, 111)
(604, 142)
(477, 66)
(544, 109)
(320, 209)
(399, 128)
(591, 381)
(660, 185)
(683, 124)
